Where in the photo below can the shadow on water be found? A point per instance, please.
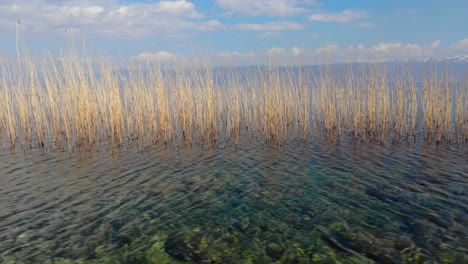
(310, 203)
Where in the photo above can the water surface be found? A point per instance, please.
(248, 203)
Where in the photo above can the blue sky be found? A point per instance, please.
(241, 31)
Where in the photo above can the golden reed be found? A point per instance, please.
(73, 103)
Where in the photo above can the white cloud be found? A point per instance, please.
(329, 49)
(461, 45)
(236, 54)
(435, 44)
(158, 57)
(271, 26)
(177, 8)
(296, 51)
(104, 17)
(235, 58)
(344, 17)
(415, 49)
(286, 56)
(276, 51)
(384, 51)
(208, 25)
(266, 7)
(269, 34)
(386, 47)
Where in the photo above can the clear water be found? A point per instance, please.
(250, 203)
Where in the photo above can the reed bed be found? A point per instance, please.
(71, 103)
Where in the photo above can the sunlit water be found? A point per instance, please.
(250, 203)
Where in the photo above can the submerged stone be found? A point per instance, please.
(159, 259)
(398, 242)
(336, 241)
(439, 220)
(387, 248)
(274, 250)
(384, 196)
(461, 218)
(123, 240)
(372, 247)
(177, 248)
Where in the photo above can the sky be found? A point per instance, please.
(239, 31)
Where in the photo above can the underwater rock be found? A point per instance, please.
(373, 248)
(117, 224)
(156, 259)
(461, 218)
(398, 242)
(376, 193)
(308, 210)
(236, 226)
(80, 252)
(384, 196)
(385, 249)
(290, 258)
(415, 227)
(122, 240)
(439, 220)
(59, 261)
(62, 253)
(177, 248)
(327, 260)
(336, 241)
(274, 250)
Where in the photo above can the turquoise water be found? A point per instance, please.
(244, 203)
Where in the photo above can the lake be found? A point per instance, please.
(248, 202)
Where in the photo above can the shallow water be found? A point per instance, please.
(250, 203)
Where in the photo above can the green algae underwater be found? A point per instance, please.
(248, 203)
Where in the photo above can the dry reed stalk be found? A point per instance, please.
(320, 102)
(115, 108)
(69, 102)
(51, 79)
(246, 106)
(427, 98)
(356, 104)
(134, 100)
(184, 95)
(447, 112)
(9, 117)
(384, 106)
(37, 106)
(464, 112)
(398, 103)
(413, 105)
(371, 107)
(233, 110)
(304, 108)
(461, 113)
(23, 108)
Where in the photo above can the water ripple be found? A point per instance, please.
(52, 204)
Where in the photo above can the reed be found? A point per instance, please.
(73, 103)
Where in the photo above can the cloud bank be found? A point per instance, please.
(344, 17)
(330, 53)
(105, 17)
(266, 7)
